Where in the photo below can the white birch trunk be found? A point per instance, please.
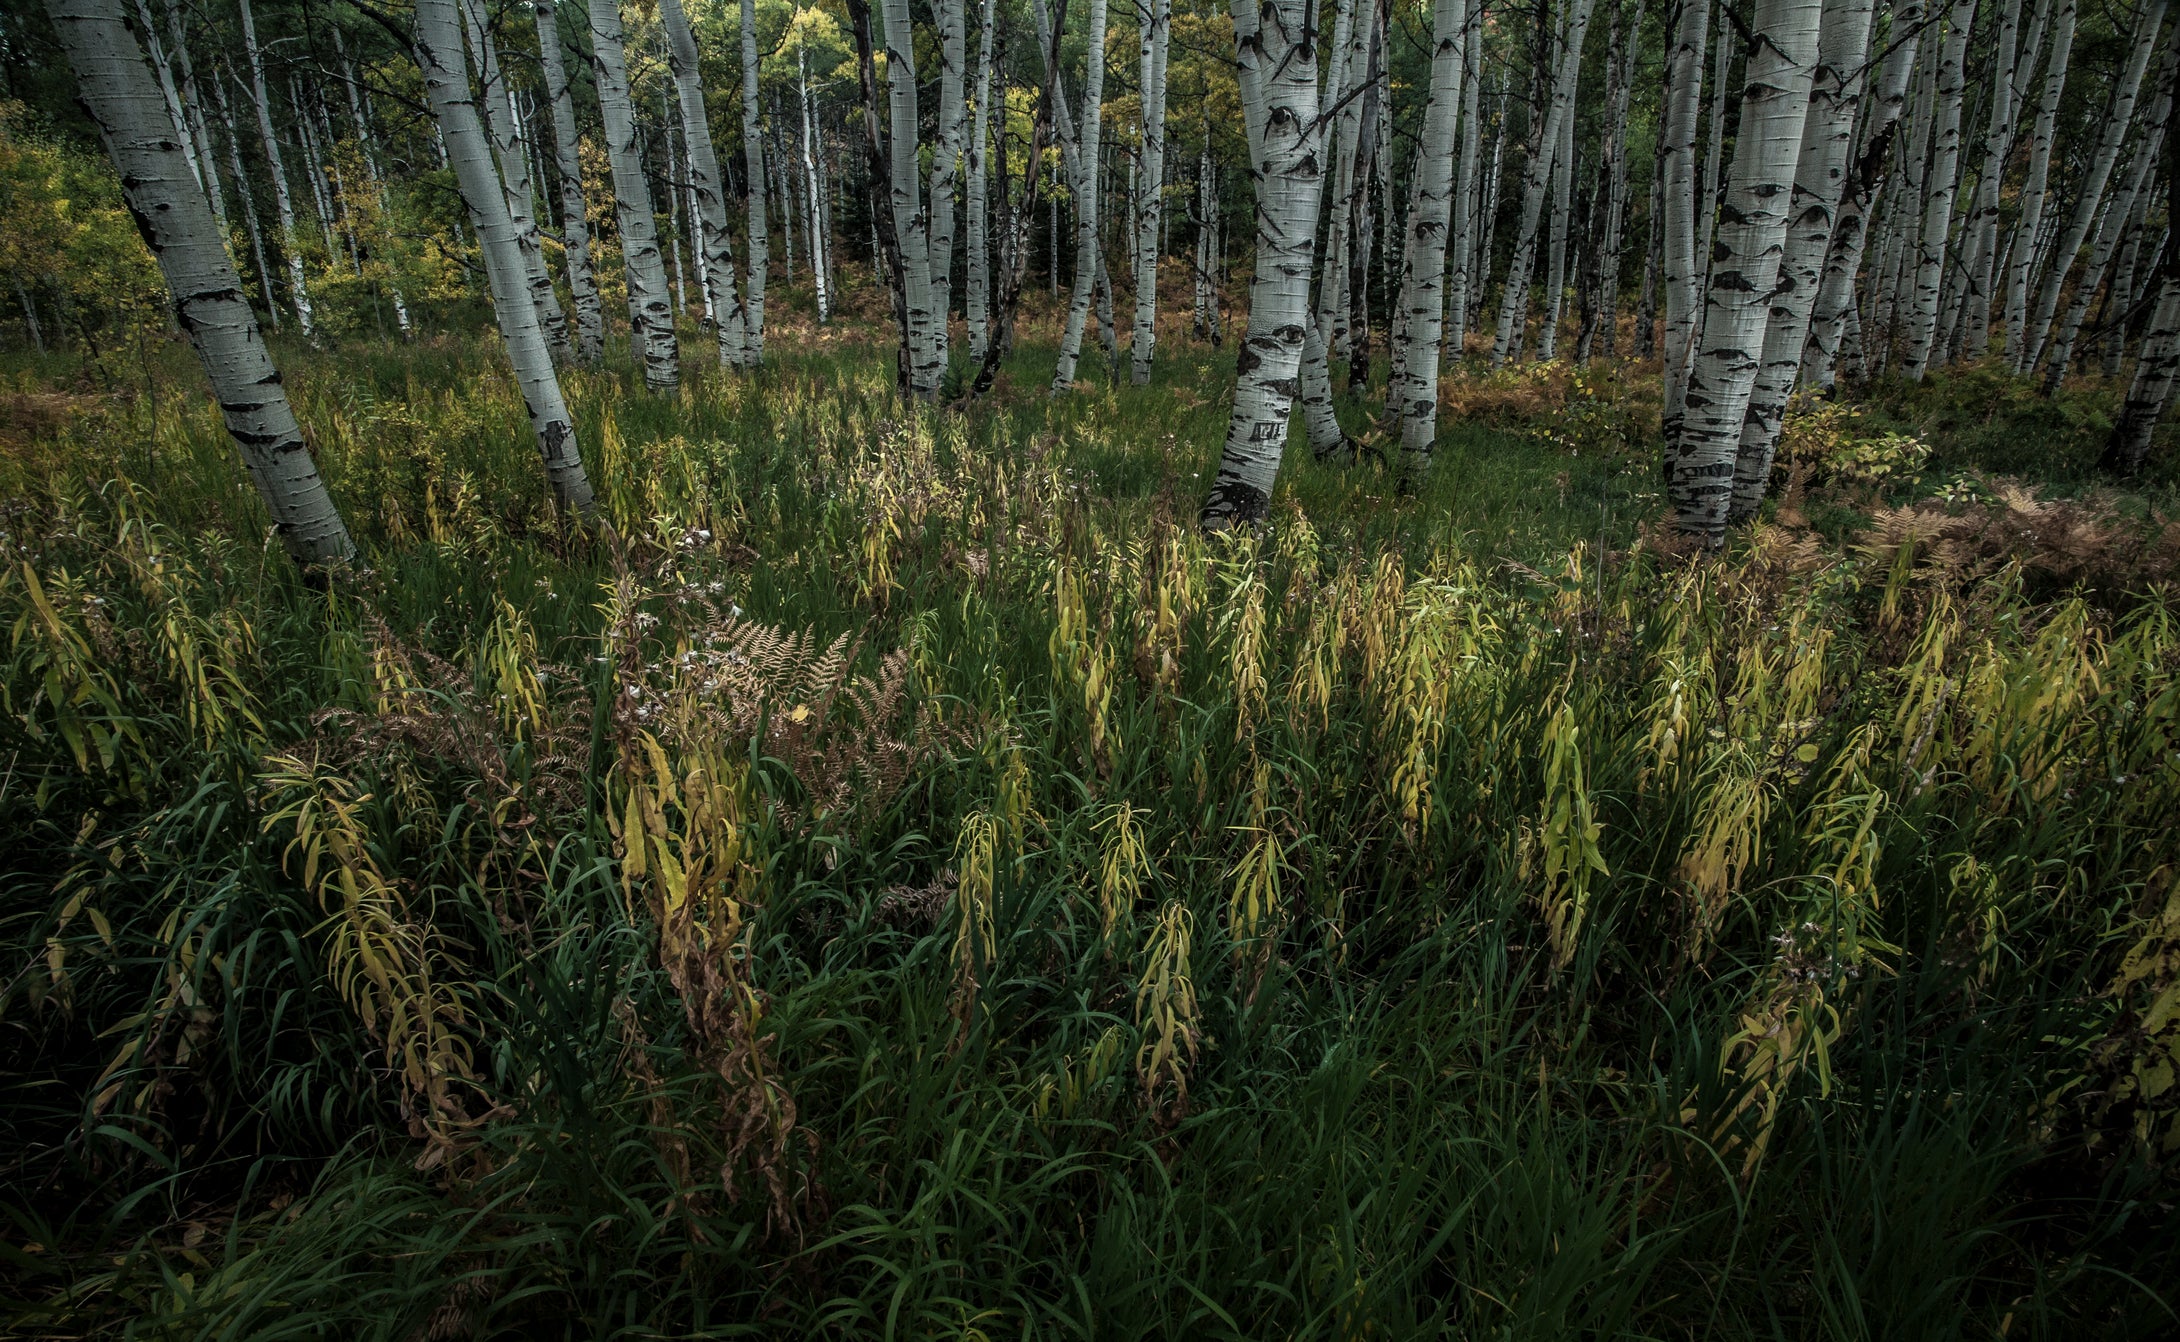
(1514, 301)
(298, 290)
(707, 193)
(1828, 132)
(1677, 148)
(1086, 204)
(1714, 147)
(753, 158)
(1350, 62)
(454, 107)
(1275, 47)
(821, 247)
(2118, 118)
(1981, 233)
(206, 162)
(2151, 389)
(1151, 187)
(249, 202)
(1606, 322)
(1937, 222)
(650, 309)
(1850, 230)
(1555, 260)
(574, 214)
(1463, 279)
(1413, 394)
(170, 93)
(514, 169)
(117, 88)
(2029, 231)
(910, 222)
(946, 165)
(1746, 252)
(977, 298)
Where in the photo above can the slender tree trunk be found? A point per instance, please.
(1746, 252)
(1827, 144)
(2155, 371)
(1356, 248)
(1157, 25)
(1463, 282)
(1938, 202)
(1981, 232)
(1413, 394)
(2120, 298)
(2118, 117)
(1350, 66)
(1836, 293)
(1514, 300)
(1604, 325)
(821, 243)
(1555, 259)
(514, 169)
(169, 92)
(117, 88)
(1714, 145)
(911, 224)
(298, 290)
(977, 298)
(454, 107)
(946, 164)
(574, 215)
(1275, 46)
(753, 156)
(185, 70)
(1086, 204)
(249, 202)
(650, 310)
(2028, 232)
(707, 193)
(1682, 265)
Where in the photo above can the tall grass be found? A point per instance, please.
(906, 882)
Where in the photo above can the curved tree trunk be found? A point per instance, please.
(1745, 264)
(1275, 46)
(454, 107)
(707, 193)
(650, 309)
(117, 89)
(574, 216)
(1835, 95)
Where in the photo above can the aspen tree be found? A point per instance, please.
(117, 88)
(977, 296)
(514, 171)
(2028, 231)
(650, 309)
(185, 71)
(1604, 325)
(911, 223)
(946, 164)
(574, 215)
(1087, 258)
(707, 193)
(1714, 144)
(1938, 199)
(1413, 394)
(1275, 48)
(1156, 18)
(1514, 300)
(1464, 281)
(1746, 250)
(821, 250)
(1835, 96)
(249, 202)
(753, 160)
(1980, 236)
(298, 290)
(2155, 372)
(1555, 256)
(454, 108)
(1677, 177)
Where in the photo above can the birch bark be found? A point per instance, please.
(1981, 233)
(1514, 301)
(946, 165)
(977, 299)
(514, 171)
(166, 199)
(1463, 280)
(2028, 232)
(1413, 396)
(574, 215)
(1746, 252)
(249, 201)
(911, 224)
(707, 193)
(650, 309)
(298, 290)
(1938, 201)
(2155, 372)
(1086, 204)
(753, 159)
(1157, 21)
(1677, 149)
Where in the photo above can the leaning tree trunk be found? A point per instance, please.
(574, 218)
(912, 226)
(1514, 300)
(2155, 370)
(753, 159)
(1938, 200)
(514, 169)
(1828, 132)
(1086, 204)
(249, 202)
(708, 194)
(1275, 46)
(115, 85)
(454, 107)
(200, 131)
(2028, 232)
(1682, 265)
(1746, 251)
(2118, 118)
(977, 299)
(650, 308)
(1836, 292)
(946, 166)
(1151, 187)
(1413, 394)
(298, 291)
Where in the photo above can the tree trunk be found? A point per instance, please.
(1514, 300)
(298, 291)
(514, 170)
(1827, 144)
(249, 202)
(2028, 232)
(1275, 46)
(1714, 146)
(1413, 395)
(2118, 117)
(1555, 258)
(946, 165)
(911, 224)
(206, 163)
(574, 216)
(650, 310)
(821, 243)
(1981, 233)
(2129, 445)
(1603, 326)
(1087, 258)
(1746, 252)
(707, 193)
(1463, 281)
(1677, 149)
(1350, 65)
(977, 299)
(118, 90)
(753, 157)
(1938, 201)
(1151, 189)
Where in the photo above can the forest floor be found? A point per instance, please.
(906, 882)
